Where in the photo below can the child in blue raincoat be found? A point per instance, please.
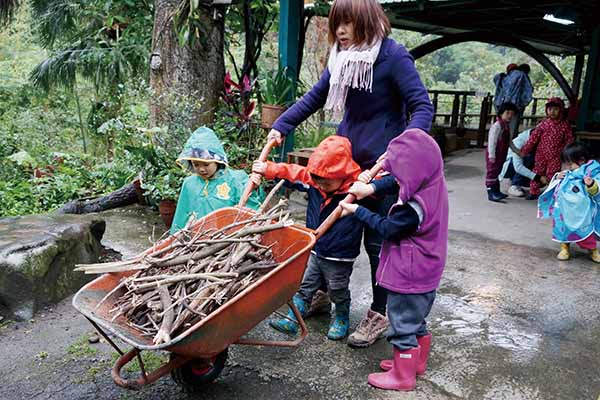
(572, 201)
(212, 185)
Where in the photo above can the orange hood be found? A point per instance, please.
(332, 159)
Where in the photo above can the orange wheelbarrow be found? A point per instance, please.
(198, 354)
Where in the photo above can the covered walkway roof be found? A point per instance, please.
(523, 20)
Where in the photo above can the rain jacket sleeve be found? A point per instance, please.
(533, 141)
(290, 172)
(387, 185)
(493, 136)
(403, 222)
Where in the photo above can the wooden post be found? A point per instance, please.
(435, 105)
(463, 111)
(290, 23)
(591, 84)
(577, 73)
(483, 116)
(455, 109)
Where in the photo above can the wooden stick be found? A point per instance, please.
(162, 336)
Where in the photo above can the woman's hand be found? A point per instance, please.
(588, 181)
(347, 208)
(561, 174)
(255, 179)
(259, 167)
(544, 180)
(361, 190)
(274, 134)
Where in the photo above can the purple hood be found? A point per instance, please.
(415, 264)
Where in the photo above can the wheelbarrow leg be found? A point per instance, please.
(105, 336)
(281, 343)
(145, 378)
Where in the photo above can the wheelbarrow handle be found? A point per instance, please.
(250, 185)
(330, 220)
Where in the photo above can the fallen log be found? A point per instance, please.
(119, 198)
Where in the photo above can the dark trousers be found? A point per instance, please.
(407, 313)
(332, 275)
(516, 179)
(372, 242)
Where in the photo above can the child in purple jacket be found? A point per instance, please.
(413, 256)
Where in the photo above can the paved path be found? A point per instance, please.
(510, 322)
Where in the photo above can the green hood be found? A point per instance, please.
(202, 145)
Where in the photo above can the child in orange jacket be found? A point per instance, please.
(327, 177)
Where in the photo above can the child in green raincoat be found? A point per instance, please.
(212, 185)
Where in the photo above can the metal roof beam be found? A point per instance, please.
(500, 39)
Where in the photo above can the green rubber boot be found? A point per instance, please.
(341, 323)
(290, 326)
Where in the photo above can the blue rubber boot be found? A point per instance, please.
(290, 326)
(341, 323)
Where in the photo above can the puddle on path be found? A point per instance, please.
(474, 316)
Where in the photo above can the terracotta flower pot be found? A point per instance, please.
(269, 114)
(166, 208)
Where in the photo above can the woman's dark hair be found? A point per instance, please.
(575, 153)
(525, 68)
(367, 16)
(507, 106)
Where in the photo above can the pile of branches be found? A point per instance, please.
(181, 284)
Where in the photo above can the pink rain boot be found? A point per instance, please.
(402, 376)
(425, 345)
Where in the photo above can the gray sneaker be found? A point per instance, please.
(320, 304)
(371, 328)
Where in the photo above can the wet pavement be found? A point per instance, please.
(509, 322)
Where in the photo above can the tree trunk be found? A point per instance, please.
(186, 81)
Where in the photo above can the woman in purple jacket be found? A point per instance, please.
(371, 84)
(415, 243)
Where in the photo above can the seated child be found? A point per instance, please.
(212, 185)
(327, 177)
(517, 168)
(548, 140)
(497, 148)
(413, 255)
(573, 203)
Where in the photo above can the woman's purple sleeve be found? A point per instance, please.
(412, 90)
(305, 107)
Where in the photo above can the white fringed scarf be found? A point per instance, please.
(352, 68)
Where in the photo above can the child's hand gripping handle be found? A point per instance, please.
(330, 220)
(250, 185)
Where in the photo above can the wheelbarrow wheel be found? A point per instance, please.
(194, 375)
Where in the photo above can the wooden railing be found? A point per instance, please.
(471, 113)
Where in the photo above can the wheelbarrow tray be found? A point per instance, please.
(228, 323)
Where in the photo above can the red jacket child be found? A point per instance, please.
(548, 140)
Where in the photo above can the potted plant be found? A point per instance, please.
(163, 187)
(161, 179)
(275, 89)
